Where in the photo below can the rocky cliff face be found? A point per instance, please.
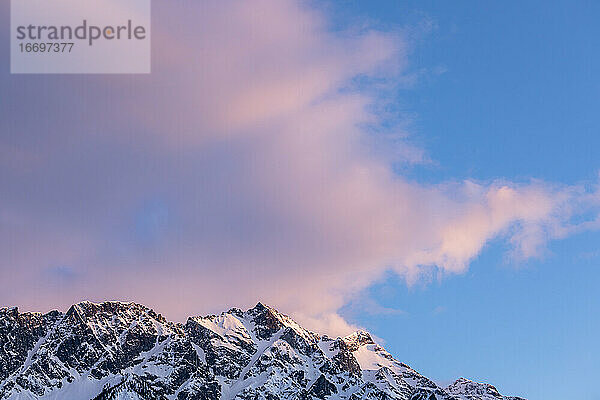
(126, 351)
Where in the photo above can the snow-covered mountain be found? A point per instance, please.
(126, 351)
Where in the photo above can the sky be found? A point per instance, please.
(424, 170)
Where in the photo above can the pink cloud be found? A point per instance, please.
(251, 132)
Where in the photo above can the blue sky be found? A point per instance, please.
(518, 99)
(421, 169)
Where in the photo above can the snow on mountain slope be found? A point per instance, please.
(126, 351)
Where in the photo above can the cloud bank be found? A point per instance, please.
(240, 170)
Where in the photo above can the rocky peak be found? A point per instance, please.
(358, 339)
(266, 321)
(463, 386)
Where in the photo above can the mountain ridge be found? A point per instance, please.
(126, 351)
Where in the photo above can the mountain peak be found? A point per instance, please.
(114, 350)
(260, 307)
(359, 337)
(463, 386)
